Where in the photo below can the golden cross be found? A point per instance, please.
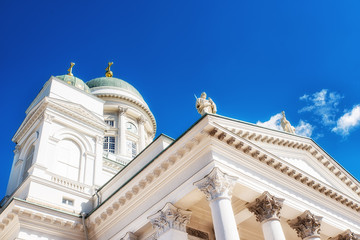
(109, 73)
(70, 69)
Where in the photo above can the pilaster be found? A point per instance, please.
(141, 122)
(121, 139)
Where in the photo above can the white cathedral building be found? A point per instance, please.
(87, 167)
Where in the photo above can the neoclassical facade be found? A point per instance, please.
(86, 166)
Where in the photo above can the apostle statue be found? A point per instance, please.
(285, 124)
(204, 105)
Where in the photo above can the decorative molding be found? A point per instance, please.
(197, 233)
(99, 140)
(17, 149)
(122, 110)
(120, 200)
(129, 236)
(170, 217)
(266, 207)
(44, 218)
(347, 235)
(216, 185)
(280, 165)
(318, 153)
(306, 225)
(140, 120)
(19, 161)
(47, 118)
(76, 111)
(141, 105)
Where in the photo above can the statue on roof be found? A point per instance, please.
(204, 105)
(285, 124)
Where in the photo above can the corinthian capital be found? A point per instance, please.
(347, 235)
(170, 217)
(129, 236)
(306, 225)
(216, 185)
(266, 207)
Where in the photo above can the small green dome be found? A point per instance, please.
(113, 82)
(74, 81)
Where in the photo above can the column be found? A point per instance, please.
(170, 223)
(121, 139)
(307, 226)
(217, 186)
(267, 211)
(347, 235)
(141, 122)
(129, 236)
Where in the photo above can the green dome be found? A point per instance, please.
(74, 81)
(113, 82)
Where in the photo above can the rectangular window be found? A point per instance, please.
(68, 201)
(110, 122)
(131, 148)
(109, 144)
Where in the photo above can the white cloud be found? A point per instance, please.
(303, 128)
(323, 104)
(274, 122)
(348, 121)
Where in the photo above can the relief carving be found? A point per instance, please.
(266, 207)
(129, 236)
(170, 217)
(306, 225)
(216, 185)
(347, 235)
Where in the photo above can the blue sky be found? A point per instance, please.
(253, 58)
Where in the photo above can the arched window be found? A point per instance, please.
(28, 162)
(68, 156)
(131, 127)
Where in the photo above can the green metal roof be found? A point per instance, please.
(74, 81)
(113, 82)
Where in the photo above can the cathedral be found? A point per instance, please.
(87, 166)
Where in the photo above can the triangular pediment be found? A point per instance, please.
(294, 155)
(76, 111)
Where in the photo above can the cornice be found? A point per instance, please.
(247, 147)
(134, 186)
(48, 103)
(141, 105)
(301, 144)
(30, 211)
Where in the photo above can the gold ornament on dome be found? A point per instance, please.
(70, 69)
(109, 73)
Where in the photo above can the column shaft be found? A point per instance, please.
(217, 186)
(272, 230)
(223, 219)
